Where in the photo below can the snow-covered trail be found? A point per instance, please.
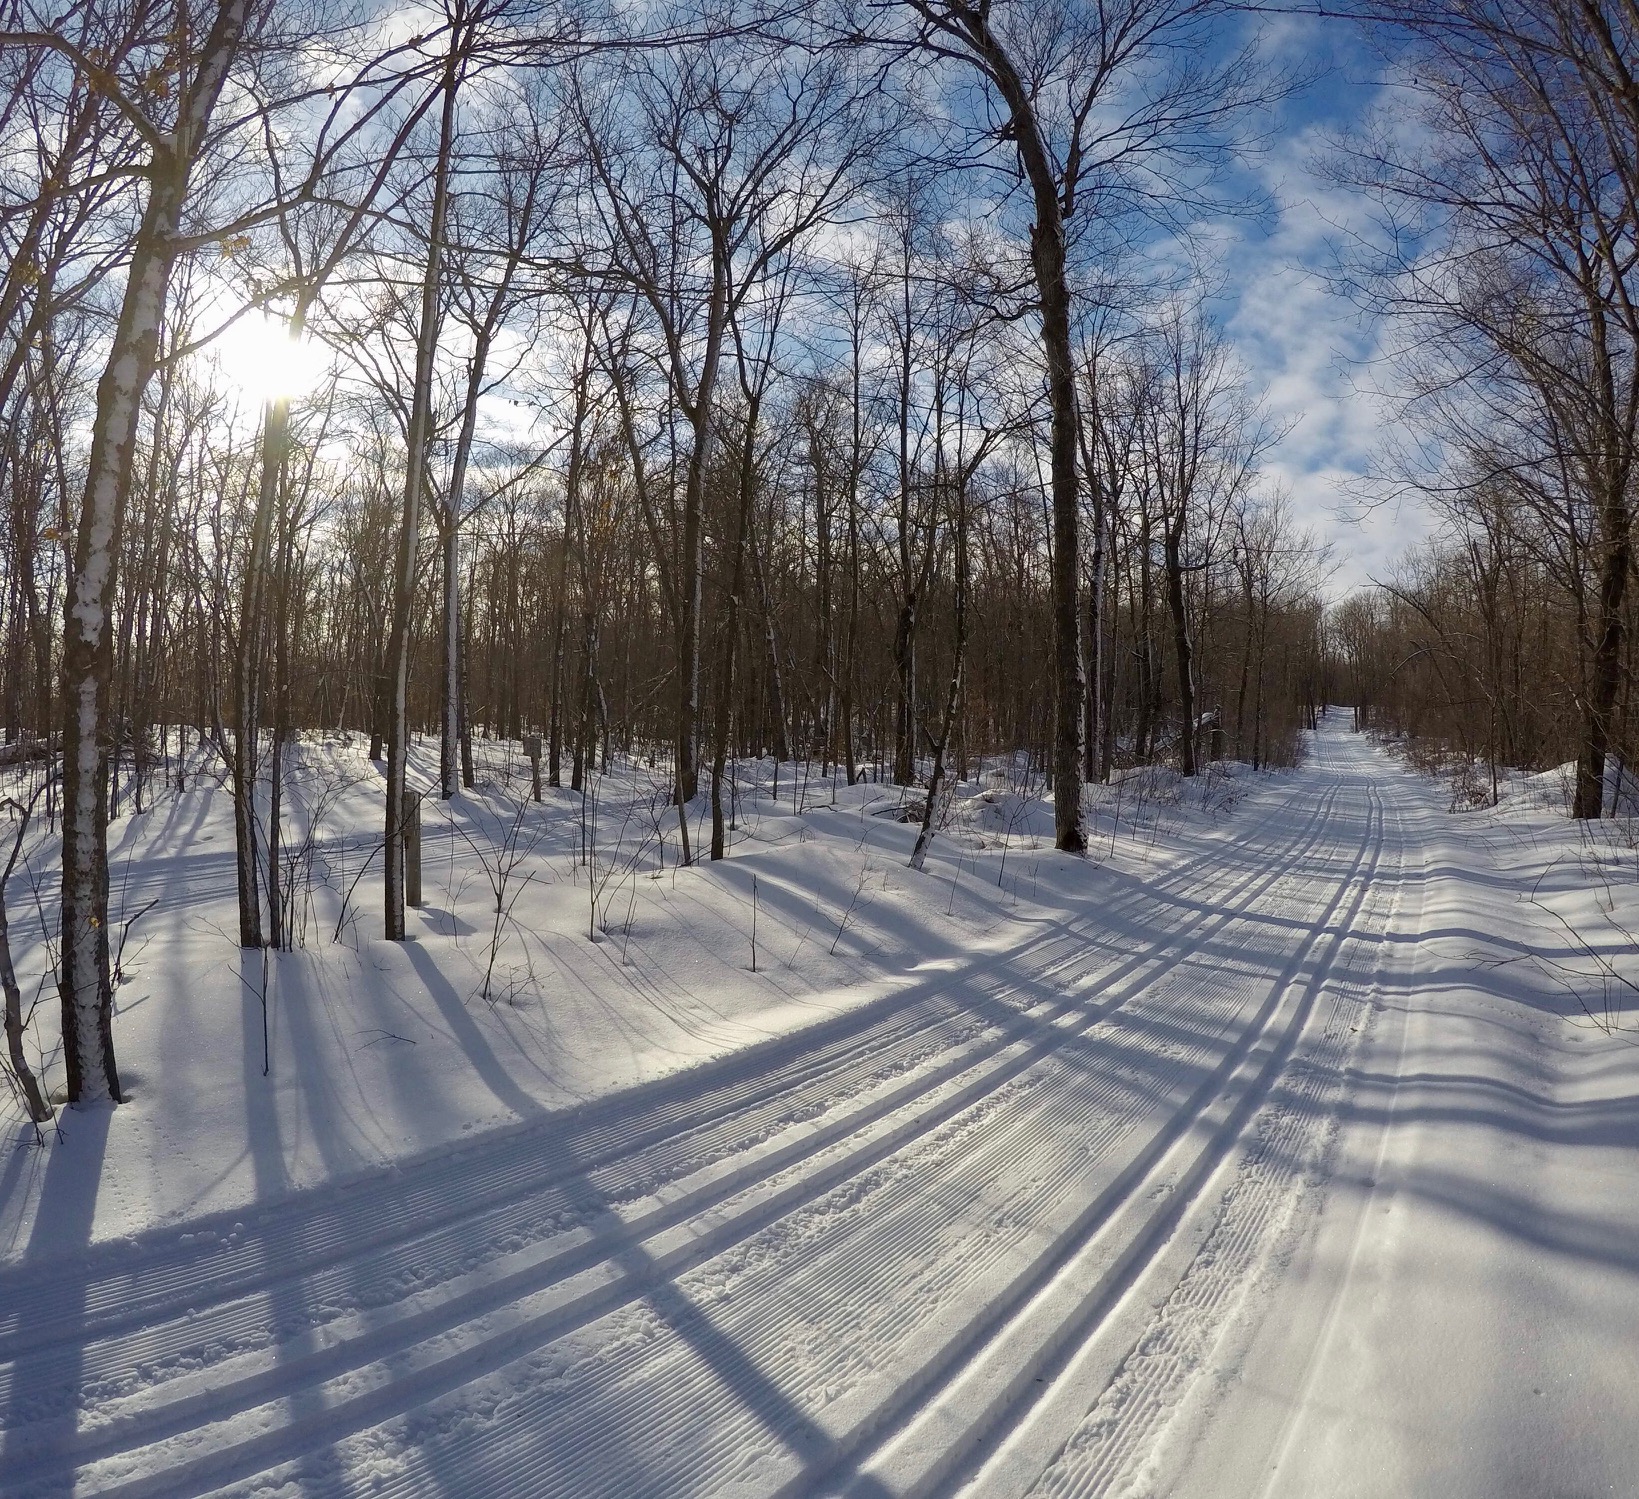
(1462, 1318)
(995, 1229)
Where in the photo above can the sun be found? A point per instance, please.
(258, 357)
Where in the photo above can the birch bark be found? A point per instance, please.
(84, 983)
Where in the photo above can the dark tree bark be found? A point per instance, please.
(1183, 648)
(398, 647)
(722, 709)
(970, 24)
(34, 1100)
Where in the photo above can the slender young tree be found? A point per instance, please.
(460, 40)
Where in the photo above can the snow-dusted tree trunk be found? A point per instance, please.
(84, 984)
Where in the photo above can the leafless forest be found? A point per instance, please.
(832, 383)
(1506, 259)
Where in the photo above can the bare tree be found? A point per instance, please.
(462, 22)
(1202, 439)
(1083, 96)
(175, 146)
(710, 165)
(1511, 234)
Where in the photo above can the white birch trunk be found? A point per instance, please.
(84, 983)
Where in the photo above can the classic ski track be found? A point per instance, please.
(182, 1412)
(109, 1360)
(1107, 1451)
(505, 1165)
(894, 1221)
(864, 1058)
(1394, 1044)
(880, 1422)
(641, 1407)
(1038, 1363)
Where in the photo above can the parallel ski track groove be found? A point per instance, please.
(650, 1413)
(1261, 877)
(1172, 1208)
(1100, 1452)
(913, 1034)
(677, 1106)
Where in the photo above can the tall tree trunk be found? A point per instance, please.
(1106, 753)
(1096, 704)
(560, 626)
(247, 672)
(1069, 682)
(688, 635)
(449, 704)
(449, 717)
(856, 462)
(825, 664)
(449, 708)
(468, 781)
(936, 775)
(398, 650)
(904, 661)
(1605, 664)
(571, 520)
(1049, 261)
(84, 981)
(722, 708)
(1177, 603)
(1149, 679)
(1246, 668)
(1257, 683)
(278, 933)
(776, 674)
(904, 637)
(586, 734)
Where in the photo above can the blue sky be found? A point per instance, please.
(1308, 346)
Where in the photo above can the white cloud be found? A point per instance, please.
(1312, 349)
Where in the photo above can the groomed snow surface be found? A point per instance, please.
(1285, 1147)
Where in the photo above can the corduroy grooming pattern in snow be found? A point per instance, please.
(849, 1261)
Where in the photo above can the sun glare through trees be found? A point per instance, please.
(876, 747)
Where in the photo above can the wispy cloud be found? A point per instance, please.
(1305, 342)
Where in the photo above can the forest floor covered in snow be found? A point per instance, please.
(1284, 1146)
